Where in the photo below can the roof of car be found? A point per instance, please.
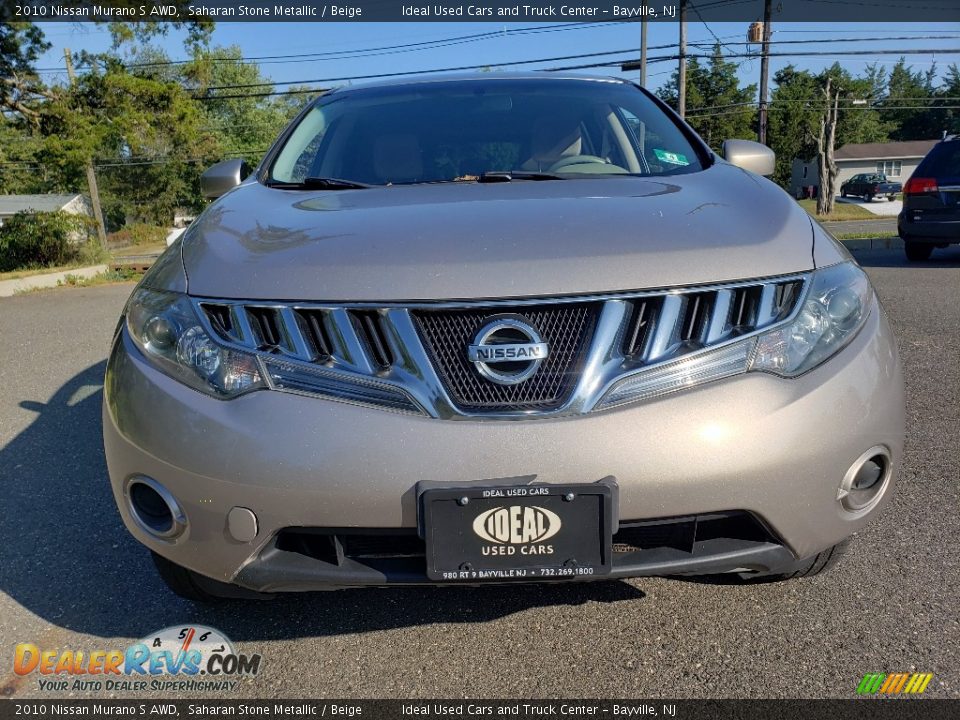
(479, 76)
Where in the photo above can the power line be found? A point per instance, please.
(374, 76)
(709, 29)
(375, 51)
(814, 106)
(629, 65)
(662, 58)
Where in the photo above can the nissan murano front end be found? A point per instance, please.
(498, 328)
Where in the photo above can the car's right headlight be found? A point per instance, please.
(834, 309)
(166, 329)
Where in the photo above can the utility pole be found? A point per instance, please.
(91, 173)
(682, 70)
(764, 72)
(643, 45)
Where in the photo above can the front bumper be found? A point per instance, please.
(773, 448)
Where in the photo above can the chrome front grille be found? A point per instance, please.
(414, 357)
(676, 324)
(566, 328)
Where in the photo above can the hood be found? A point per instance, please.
(458, 241)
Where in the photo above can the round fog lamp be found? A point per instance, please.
(865, 481)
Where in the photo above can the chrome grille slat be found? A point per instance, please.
(639, 328)
(717, 326)
(348, 349)
(665, 332)
(767, 309)
(294, 334)
(593, 341)
(266, 326)
(242, 323)
(314, 326)
(368, 324)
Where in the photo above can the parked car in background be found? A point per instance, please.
(931, 202)
(499, 328)
(870, 186)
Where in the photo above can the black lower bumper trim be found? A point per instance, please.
(303, 559)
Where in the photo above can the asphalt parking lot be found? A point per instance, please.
(70, 577)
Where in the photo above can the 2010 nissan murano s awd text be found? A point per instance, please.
(498, 328)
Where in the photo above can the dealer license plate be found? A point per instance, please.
(528, 532)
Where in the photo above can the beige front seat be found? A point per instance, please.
(397, 158)
(553, 139)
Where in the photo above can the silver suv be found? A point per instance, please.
(498, 328)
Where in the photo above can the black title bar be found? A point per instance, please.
(832, 11)
(855, 709)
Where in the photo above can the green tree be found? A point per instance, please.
(717, 107)
(793, 115)
(248, 120)
(909, 102)
(21, 44)
(949, 95)
(858, 120)
(146, 138)
(798, 104)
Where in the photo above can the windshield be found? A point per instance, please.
(461, 130)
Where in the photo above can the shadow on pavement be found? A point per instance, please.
(69, 560)
(942, 258)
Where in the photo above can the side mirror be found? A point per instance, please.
(223, 176)
(750, 156)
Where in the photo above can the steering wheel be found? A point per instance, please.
(576, 160)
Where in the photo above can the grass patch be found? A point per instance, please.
(28, 272)
(865, 236)
(104, 278)
(85, 255)
(137, 234)
(841, 211)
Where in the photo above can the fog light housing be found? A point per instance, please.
(155, 510)
(866, 480)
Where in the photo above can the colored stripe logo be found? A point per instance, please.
(894, 683)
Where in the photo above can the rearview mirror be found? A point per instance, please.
(750, 156)
(223, 176)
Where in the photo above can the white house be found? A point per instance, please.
(896, 160)
(74, 204)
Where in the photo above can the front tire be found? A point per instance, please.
(199, 589)
(808, 567)
(917, 252)
(819, 563)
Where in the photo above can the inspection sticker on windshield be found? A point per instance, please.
(669, 157)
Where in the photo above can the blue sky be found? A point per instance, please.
(285, 38)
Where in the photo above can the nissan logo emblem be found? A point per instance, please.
(507, 350)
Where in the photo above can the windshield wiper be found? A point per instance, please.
(504, 176)
(319, 183)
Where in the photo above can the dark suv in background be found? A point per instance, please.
(931, 202)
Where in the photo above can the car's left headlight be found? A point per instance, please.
(835, 306)
(834, 309)
(166, 329)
